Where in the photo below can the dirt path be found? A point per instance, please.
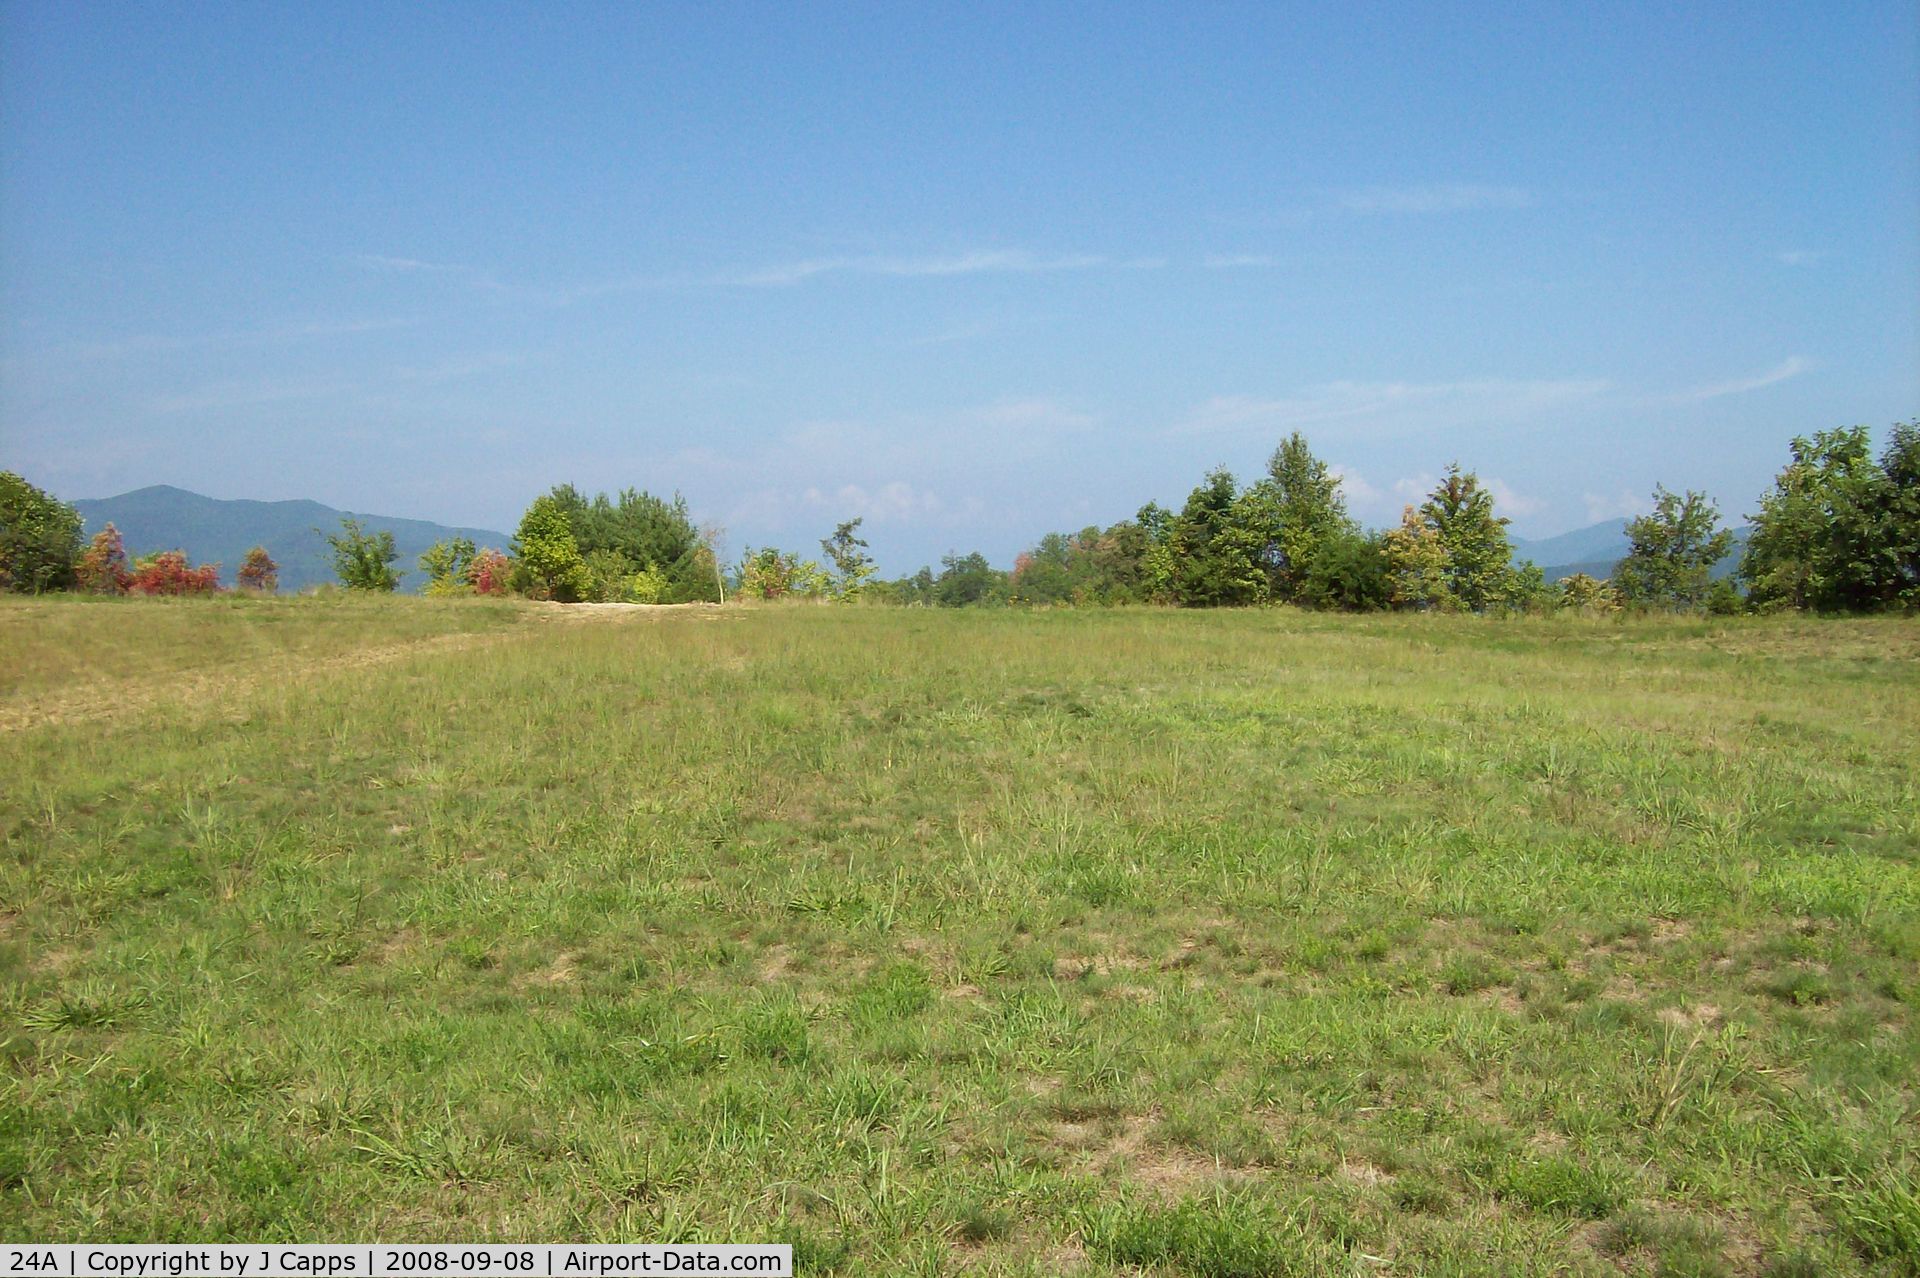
(208, 691)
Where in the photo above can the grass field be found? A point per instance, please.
(948, 942)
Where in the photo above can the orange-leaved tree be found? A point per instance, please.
(258, 573)
(102, 567)
(169, 573)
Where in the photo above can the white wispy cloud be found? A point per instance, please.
(382, 262)
(1237, 261)
(1621, 505)
(1411, 490)
(894, 502)
(939, 468)
(1390, 403)
(1508, 502)
(1355, 486)
(1799, 257)
(1792, 366)
(1443, 197)
(985, 261)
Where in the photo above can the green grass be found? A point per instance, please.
(1004, 943)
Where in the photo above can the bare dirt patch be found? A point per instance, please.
(212, 691)
(558, 972)
(1125, 1149)
(776, 963)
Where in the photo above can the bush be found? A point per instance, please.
(775, 574)
(1348, 572)
(39, 538)
(169, 573)
(648, 586)
(490, 573)
(1581, 593)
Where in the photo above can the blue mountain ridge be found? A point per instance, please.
(1596, 549)
(213, 530)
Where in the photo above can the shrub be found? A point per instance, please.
(1348, 572)
(1582, 593)
(775, 574)
(489, 572)
(648, 586)
(169, 573)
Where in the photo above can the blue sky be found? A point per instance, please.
(974, 273)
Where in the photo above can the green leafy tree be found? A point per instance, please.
(852, 567)
(1156, 559)
(364, 560)
(1527, 590)
(39, 538)
(549, 560)
(1299, 506)
(646, 586)
(1901, 519)
(608, 573)
(772, 574)
(448, 564)
(1479, 560)
(966, 580)
(647, 532)
(1348, 572)
(1673, 550)
(1417, 564)
(1214, 545)
(1821, 537)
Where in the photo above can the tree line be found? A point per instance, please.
(1839, 531)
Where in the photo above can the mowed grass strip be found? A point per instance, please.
(1024, 943)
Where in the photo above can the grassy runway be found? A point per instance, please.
(966, 942)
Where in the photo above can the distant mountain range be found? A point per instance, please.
(1596, 549)
(210, 530)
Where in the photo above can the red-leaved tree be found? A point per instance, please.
(488, 571)
(168, 573)
(102, 568)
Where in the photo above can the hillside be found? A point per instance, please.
(1595, 549)
(209, 529)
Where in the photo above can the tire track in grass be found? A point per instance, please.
(214, 690)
